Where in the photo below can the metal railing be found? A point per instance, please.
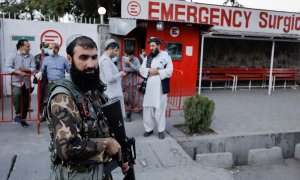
(65, 19)
(175, 95)
(133, 99)
(7, 109)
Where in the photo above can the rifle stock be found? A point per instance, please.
(112, 111)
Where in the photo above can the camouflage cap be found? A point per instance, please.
(44, 45)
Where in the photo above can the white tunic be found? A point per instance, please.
(153, 94)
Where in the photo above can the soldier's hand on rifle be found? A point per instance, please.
(125, 168)
(113, 148)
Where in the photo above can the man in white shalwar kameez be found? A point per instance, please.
(156, 67)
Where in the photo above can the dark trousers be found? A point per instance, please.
(43, 92)
(21, 100)
(131, 99)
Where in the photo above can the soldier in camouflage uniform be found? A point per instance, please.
(80, 135)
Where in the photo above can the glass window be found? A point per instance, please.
(174, 49)
(129, 45)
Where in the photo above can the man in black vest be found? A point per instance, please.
(157, 67)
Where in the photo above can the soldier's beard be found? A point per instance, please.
(85, 80)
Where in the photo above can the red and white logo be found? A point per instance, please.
(51, 36)
(134, 8)
(174, 31)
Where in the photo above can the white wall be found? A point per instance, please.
(12, 27)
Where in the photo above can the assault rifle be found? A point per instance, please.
(112, 111)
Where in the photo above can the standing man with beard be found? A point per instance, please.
(80, 142)
(109, 73)
(156, 67)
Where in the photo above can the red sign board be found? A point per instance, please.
(221, 17)
(51, 36)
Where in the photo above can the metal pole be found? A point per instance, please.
(101, 19)
(201, 62)
(271, 68)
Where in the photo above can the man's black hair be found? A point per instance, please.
(112, 45)
(157, 40)
(129, 52)
(56, 46)
(21, 43)
(82, 41)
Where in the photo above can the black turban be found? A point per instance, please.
(155, 39)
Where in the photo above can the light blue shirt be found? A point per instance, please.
(55, 67)
(17, 60)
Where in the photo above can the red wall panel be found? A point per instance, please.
(188, 36)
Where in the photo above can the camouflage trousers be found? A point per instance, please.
(59, 172)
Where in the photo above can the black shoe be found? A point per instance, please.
(42, 118)
(17, 120)
(146, 134)
(24, 124)
(161, 135)
(128, 119)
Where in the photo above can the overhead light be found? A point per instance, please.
(101, 11)
(160, 26)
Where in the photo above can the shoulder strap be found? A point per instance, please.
(68, 87)
(62, 86)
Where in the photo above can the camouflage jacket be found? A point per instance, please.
(73, 128)
(38, 60)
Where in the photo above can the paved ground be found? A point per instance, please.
(160, 159)
(287, 170)
(254, 111)
(240, 112)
